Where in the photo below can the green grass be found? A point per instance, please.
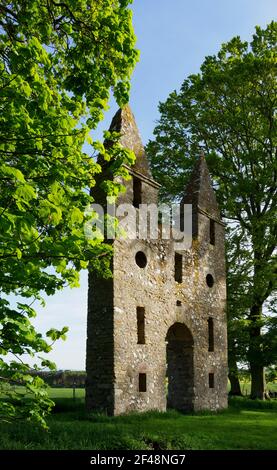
(245, 425)
(66, 393)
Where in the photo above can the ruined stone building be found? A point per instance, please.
(156, 333)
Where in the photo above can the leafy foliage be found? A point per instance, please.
(59, 61)
(228, 110)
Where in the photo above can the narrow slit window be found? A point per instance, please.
(141, 325)
(212, 232)
(211, 380)
(142, 382)
(178, 267)
(211, 334)
(137, 192)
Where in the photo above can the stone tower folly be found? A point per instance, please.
(156, 334)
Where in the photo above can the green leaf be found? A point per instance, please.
(25, 193)
(18, 253)
(76, 216)
(12, 172)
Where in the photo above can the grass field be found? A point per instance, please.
(80, 392)
(245, 425)
(56, 393)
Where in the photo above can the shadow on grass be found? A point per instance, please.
(75, 410)
(244, 403)
(63, 405)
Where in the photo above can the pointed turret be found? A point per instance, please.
(199, 191)
(124, 123)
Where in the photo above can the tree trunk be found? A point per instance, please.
(257, 382)
(235, 390)
(255, 355)
(234, 378)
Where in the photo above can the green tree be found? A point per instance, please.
(228, 110)
(59, 61)
(238, 284)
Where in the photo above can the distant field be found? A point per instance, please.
(246, 386)
(66, 393)
(58, 394)
(80, 392)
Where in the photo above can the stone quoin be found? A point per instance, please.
(157, 331)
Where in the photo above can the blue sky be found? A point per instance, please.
(174, 36)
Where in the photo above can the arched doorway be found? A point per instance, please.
(179, 358)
